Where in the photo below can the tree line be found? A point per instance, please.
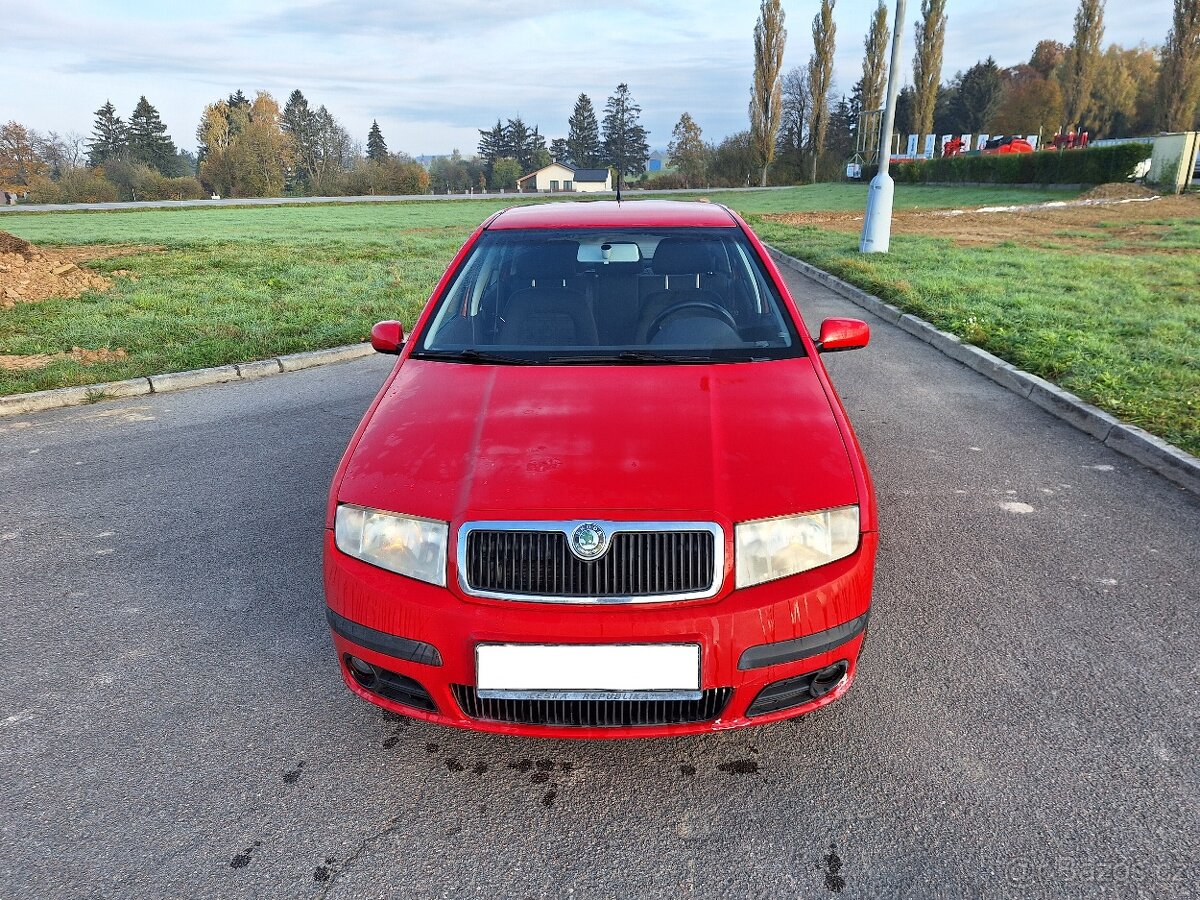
(801, 127)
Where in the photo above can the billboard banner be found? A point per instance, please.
(930, 141)
(981, 142)
(1033, 140)
(912, 145)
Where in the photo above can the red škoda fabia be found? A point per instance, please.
(607, 490)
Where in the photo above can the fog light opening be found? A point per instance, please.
(828, 678)
(364, 673)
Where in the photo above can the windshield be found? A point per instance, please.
(647, 295)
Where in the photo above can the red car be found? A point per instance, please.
(608, 489)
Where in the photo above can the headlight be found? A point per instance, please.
(775, 548)
(403, 544)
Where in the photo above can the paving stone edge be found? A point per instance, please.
(1136, 443)
(17, 404)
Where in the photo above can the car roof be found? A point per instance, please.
(611, 214)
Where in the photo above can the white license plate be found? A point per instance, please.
(588, 671)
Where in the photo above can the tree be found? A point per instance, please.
(1030, 104)
(927, 65)
(505, 174)
(1047, 56)
(299, 123)
(19, 161)
(792, 122)
(980, 92)
(732, 161)
(62, 152)
(109, 137)
(1079, 68)
(148, 140)
(820, 79)
(334, 152)
(624, 139)
(492, 146)
(251, 161)
(687, 152)
(376, 146)
(873, 84)
(583, 135)
(1123, 92)
(1179, 75)
(560, 152)
(766, 97)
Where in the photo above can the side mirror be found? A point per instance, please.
(843, 334)
(388, 337)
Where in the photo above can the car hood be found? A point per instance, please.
(727, 442)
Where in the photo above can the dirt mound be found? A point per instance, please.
(10, 243)
(15, 363)
(29, 273)
(1119, 190)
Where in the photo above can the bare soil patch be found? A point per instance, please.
(18, 363)
(1059, 227)
(29, 274)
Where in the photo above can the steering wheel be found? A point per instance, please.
(715, 311)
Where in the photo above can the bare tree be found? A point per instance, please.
(927, 65)
(766, 97)
(1179, 75)
(820, 79)
(874, 70)
(1080, 69)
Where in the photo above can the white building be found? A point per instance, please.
(556, 178)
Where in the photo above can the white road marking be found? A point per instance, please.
(1015, 506)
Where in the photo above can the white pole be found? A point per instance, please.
(877, 224)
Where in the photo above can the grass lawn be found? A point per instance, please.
(220, 285)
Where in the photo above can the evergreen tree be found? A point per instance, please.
(560, 152)
(149, 142)
(979, 94)
(624, 139)
(583, 137)
(299, 124)
(110, 139)
(376, 146)
(492, 146)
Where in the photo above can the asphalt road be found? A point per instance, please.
(172, 723)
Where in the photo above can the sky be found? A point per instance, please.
(436, 71)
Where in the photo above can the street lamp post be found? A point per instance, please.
(877, 224)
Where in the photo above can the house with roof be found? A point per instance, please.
(557, 177)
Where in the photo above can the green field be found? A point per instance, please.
(235, 284)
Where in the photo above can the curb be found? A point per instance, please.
(1136, 443)
(17, 404)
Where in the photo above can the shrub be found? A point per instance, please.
(1095, 165)
(75, 186)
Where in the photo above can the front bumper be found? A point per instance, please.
(749, 639)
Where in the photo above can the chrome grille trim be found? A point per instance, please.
(649, 560)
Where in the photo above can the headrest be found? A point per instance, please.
(681, 256)
(554, 261)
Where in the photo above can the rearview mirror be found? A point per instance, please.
(843, 334)
(387, 337)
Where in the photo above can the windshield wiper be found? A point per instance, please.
(471, 355)
(632, 357)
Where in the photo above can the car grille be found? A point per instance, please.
(593, 713)
(655, 564)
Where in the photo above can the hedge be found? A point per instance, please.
(1095, 165)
